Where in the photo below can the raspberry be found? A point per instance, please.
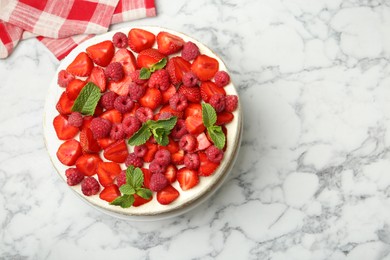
(165, 115)
(221, 78)
(144, 114)
(133, 159)
(192, 161)
(108, 99)
(231, 103)
(158, 182)
(64, 78)
(100, 127)
(136, 91)
(135, 77)
(190, 79)
(73, 176)
(178, 102)
(179, 130)
(190, 51)
(159, 80)
(131, 125)
(140, 150)
(75, 119)
(163, 157)
(123, 104)
(121, 179)
(188, 143)
(214, 154)
(155, 167)
(120, 40)
(117, 132)
(218, 102)
(90, 186)
(114, 71)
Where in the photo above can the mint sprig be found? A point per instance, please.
(209, 118)
(87, 99)
(133, 185)
(145, 73)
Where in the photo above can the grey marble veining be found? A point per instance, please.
(312, 180)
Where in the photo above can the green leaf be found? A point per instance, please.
(144, 73)
(129, 172)
(124, 201)
(166, 124)
(164, 140)
(127, 189)
(141, 136)
(159, 65)
(137, 178)
(144, 193)
(118, 201)
(217, 136)
(87, 99)
(209, 116)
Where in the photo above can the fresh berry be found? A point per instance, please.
(187, 143)
(100, 127)
(81, 66)
(101, 53)
(156, 167)
(64, 78)
(205, 67)
(147, 176)
(165, 115)
(178, 102)
(135, 77)
(208, 89)
(190, 79)
(75, 119)
(140, 40)
(179, 130)
(193, 94)
(224, 118)
(114, 71)
(107, 172)
(163, 157)
(148, 57)
(160, 80)
(113, 115)
(221, 78)
(203, 142)
(172, 146)
(87, 164)
(190, 51)
(151, 99)
(193, 109)
(231, 103)
(144, 114)
(74, 87)
(158, 181)
(69, 152)
(168, 109)
(127, 59)
(121, 87)
(73, 176)
(123, 104)
(168, 43)
(167, 94)
(107, 100)
(133, 159)
(136, 91)
(170, 173)
(214, 154)
(110, 193)
(105, 142)
(187, 178)
(120, 40)
(121, 179)
(140, 150)
(176, 68)
(191, 161)
(131, 125)
(98, 78)
(194, 125)
(90, 186)
(117, 152)
(218, 102)
(63, 128)
(88, 141)
(117, 132)
(206, 167)
(138, 201)
(167, 195)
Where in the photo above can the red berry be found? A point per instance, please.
(123, 104)
(218, 102)
(190, 51)
(121, 179)
(100, 127)
(136, 91)
(178, 102)
(133, 159)
(191, 161)
(190, 79)
(165, 115)
(158, 182)
(114, 71)
(73, 176)
(179, 130)
(159, 80)
(144, 114)
(64, 78)
(193, 94)
(117, 132)
(90, 186)
(214, 154)
(135, 77)
(188, 143)
(231, 103)
(75, 119)
(221, 78)
(140, 150)
(131, 125)
(120, 40)
(108, 99)
(155, 167)
(163, 157)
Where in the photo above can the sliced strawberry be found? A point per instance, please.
(167, 195)
(127, 59)
(121, 87)
(107, 172)
(147, 176)
(224, 118)
(209, 88)
(117, 152)
(105, 142)
(140, 40)
(205, 67)
(101, 53)
(98, 110)
(112, 115)
(110, 193)
(178, 157)
(177, 67)
(194, 125)
(148, 57)
(151, 99)
(152, 149)
(168, 109)
(193, 109)
(203, 142)
(88, 163)
(63, 129)
(88, 142)
(170, 173)
(167, 94)
(69, 152)
(206, 167)
(64, 104)
(168, 43)
(98, 78)
(138, 201)
(81, 66)
(172, 146)
(187, 178)
(191, 93)
(74, 87)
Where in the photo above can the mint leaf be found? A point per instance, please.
(137, 178)
(164, 140)
(144, 193)
(118, 201)
(129, 172)
(144, 73)
(141, 136)
(217, 136)
(209, 116)
(166, 124)
(87, 99)
(127, 189)
(124, 201)
(158, 65)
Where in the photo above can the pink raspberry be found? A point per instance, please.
(179, 130)
(158, 182)
(190, 79)
(231, 103)
(190, 51)
(75, 119)
(163, 157)
(178, 102)
(155, 167)
(108, 99)
(140, 150)
(120, 40)
(188, 143)
(160, 80)
(165, 115)
(131, 125)
(100, 127)
(90, 186)
(64, 78)
(144, 114)
(133, 159)
(192, 161)
(214, 154)
(121, 179)
(221, 78)
(218, 102)
(123, 104)
(73, 176)
(114, 71)
(135, 77)
(136, 91)
(117, 132)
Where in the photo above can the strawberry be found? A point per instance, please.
(98, 78)
(152, 149)
(117, 152)
(74, 87)
(107, 172)
(208, 89)
(87, 164)
(206, 167)
(203, 142)
(81, 66)
(127, 59)
(110, 193)
(205, 67)
(168, 109)
(98, 110)
(63, 129)
(191, 93)
(88, 142)
(101, 53)
(121, 87)
(167, 195)
(138, 201)
(140, 40)
(194, 125)
(105, 142)
(147, 176)
(178, 157)
(64, 104)
(224, 118)
(170, 173)
(148, 57)
(113, 115)
(151, 99)
(187, 178)
(69, 152)
(193, 109)
(167, 94)
(168, 43)
(177, 67)
(172, 146)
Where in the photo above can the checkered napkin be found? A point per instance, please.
(63, 24)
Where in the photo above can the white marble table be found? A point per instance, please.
(312, 180)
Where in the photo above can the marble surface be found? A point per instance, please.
(312, 180)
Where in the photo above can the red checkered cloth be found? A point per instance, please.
(62, 25)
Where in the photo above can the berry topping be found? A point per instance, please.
(191, 161)
(75, 119)
(136, 91)
(168, 43)
(140, 39)
(190, 51)
(123, 104)
(144, 114)
(231, 103)
(140, 150)
(135, 78)
(127, 59)
(87, 164)
(100, 127)
(133, 159)
(205, 67)
(63, 128)
(98, 78)
(179, 130)
(221, 78)
(69, 152)
(167, 195)
(64, 78)
(73, 176)
(90, 186)
(178, 102)
(116, 152)
(81, 66)
(155, 167)
(151, 99)
(101, 53)
(114, 71)
(188, 143)
(163, 157)
(131, 125)
(107, 100)
(214, 154)
(121, 179)
(187, 178)
(158, 182)
(177, 67)
(192, 93)
(190, 79)
(165, 115)
(159, 80)
(120, 40)
(218, 102)
(148, 57)
(117, 132)
(110, 193)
